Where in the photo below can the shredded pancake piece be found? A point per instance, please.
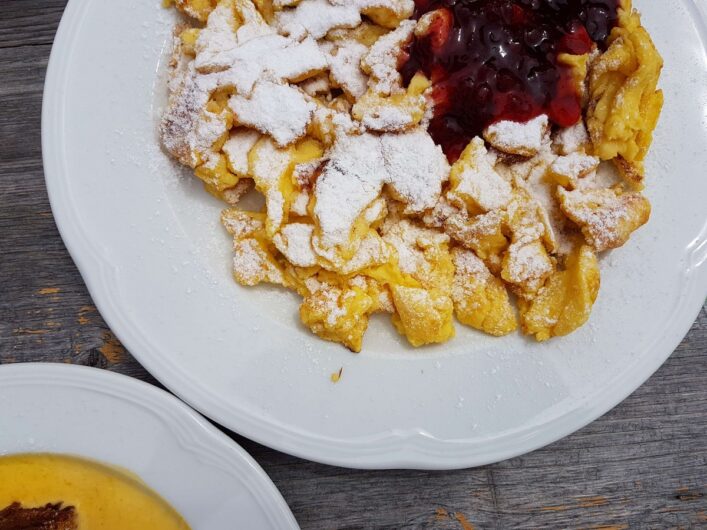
(377, 197)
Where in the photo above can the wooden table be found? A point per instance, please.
(643, 465)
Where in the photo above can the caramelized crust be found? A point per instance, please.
(47, 517)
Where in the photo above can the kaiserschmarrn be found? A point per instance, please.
(428, 159)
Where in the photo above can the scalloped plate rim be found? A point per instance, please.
(409, 449)
(193, 433)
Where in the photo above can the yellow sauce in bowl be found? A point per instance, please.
(105, 497)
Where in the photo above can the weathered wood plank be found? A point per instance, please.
(27, 23)
(643, 465)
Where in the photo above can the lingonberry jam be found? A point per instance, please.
(492, 60)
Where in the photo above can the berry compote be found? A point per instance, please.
(492, 60)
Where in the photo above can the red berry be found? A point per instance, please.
(492, 60)
(439, 29)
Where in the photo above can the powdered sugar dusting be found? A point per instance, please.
(295, 243)
(281, 111)
(386, 117)
(571, 139)
(359, 166)
(382, 60)
(524, 139)
(317, 18)
(479, 182)
(574, 166)
(345, 66)
(237, 147)
(416, 168)
(350, 181)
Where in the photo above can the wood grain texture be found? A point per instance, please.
(643, 465)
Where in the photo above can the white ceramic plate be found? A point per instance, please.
(147, 240)
(100, 415)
